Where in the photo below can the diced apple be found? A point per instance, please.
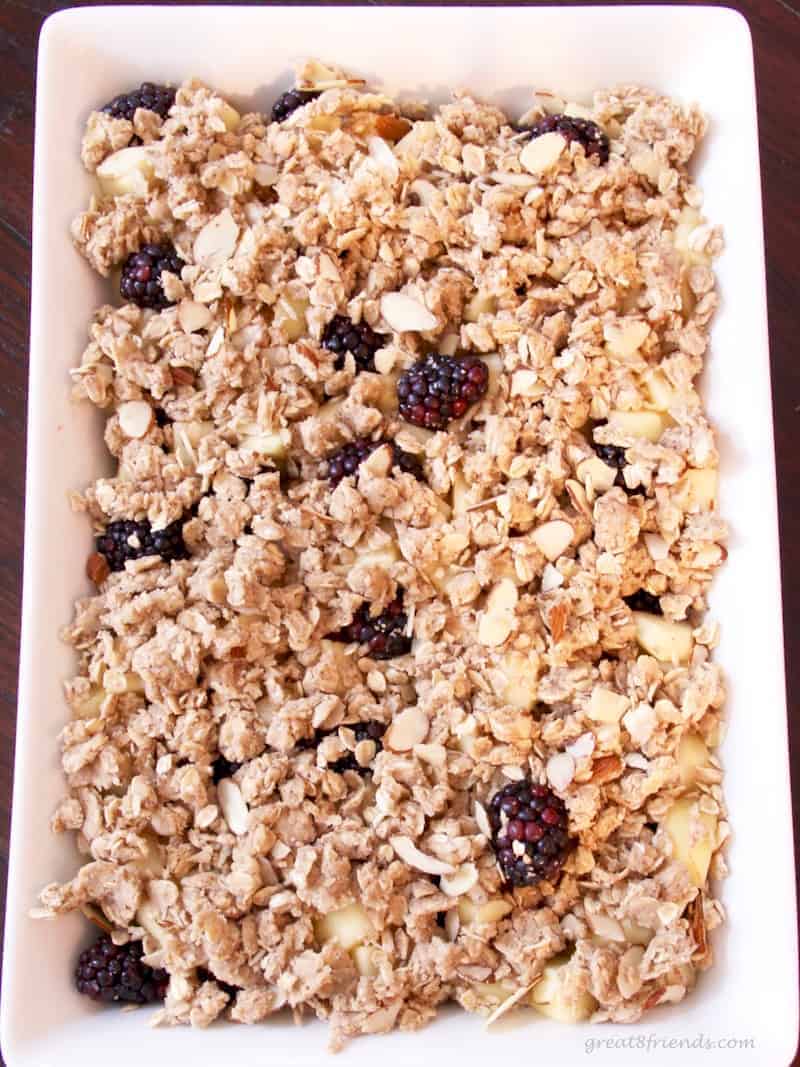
(697, 489)
(481, 303)
(129, 170)
(271, 445)
(230, 116)
(593, 470)
(383, 557)
(692, 833)
(636, 933)
(495, 992)
(350, 926)
(661, 393)
(692, 754)
(549, 996)
(668, 641)
(647, 424)
(607, 706)
(521, 680)
(625, 337)
(365, 959)
(89, 707)
(147, 917)
(292, 316)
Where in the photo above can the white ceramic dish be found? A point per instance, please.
(86, 56)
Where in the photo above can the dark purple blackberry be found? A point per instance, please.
(158, 98)
(384, 634)
(341, 336)
(586, 132)
(641, 600)
(349, 458)
(112, 972)
(115, 543)
(438, 389)
(141, 275)
(291, 101)
(529, 833)
(223, 768)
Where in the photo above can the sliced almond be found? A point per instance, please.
(234, 809)
(482, 819)
(542, 153)
(405, 314)
(135, 417)
(606, 769)
(503, 597)
(409, 728)
(606, 705)
(384, 157)
(657, 547)
(461, 881)
(582, 746)
(494, 627)
(215, 243)
(560, 770)
(551, 578)
(553, 538)
(410, 854)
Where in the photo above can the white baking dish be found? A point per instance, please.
(86, 56)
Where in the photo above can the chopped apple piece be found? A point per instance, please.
(668, 641)
(379, 557)
(350, 926)
(365, 959)
(480, 304)
(647, 424)
(692, 833)
(496, 992)
(607, 706)
(230, 116)
(697, 489)
(550, 998)
(625, 337)
(272, 445)
(293, 316)
(635, 933)
(129, 170)
(661, 393)
(594, 470)
(521, 680)
(692, 754)
(89, 707)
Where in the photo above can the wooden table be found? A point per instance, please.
(776, 34)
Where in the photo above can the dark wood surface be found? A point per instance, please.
(776, 33)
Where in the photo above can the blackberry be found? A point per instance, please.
(438, 389)
(341, 335)
(223, 768)
(384, 634)
(291, 101)
(141, 275)
(115, 973)
(641, 600)
(115, 544)
(349, 458)
(586, 132)
(158, 98)
(529, 833)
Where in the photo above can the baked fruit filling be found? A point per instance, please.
(394, 677)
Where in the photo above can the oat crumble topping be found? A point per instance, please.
(284, 819)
